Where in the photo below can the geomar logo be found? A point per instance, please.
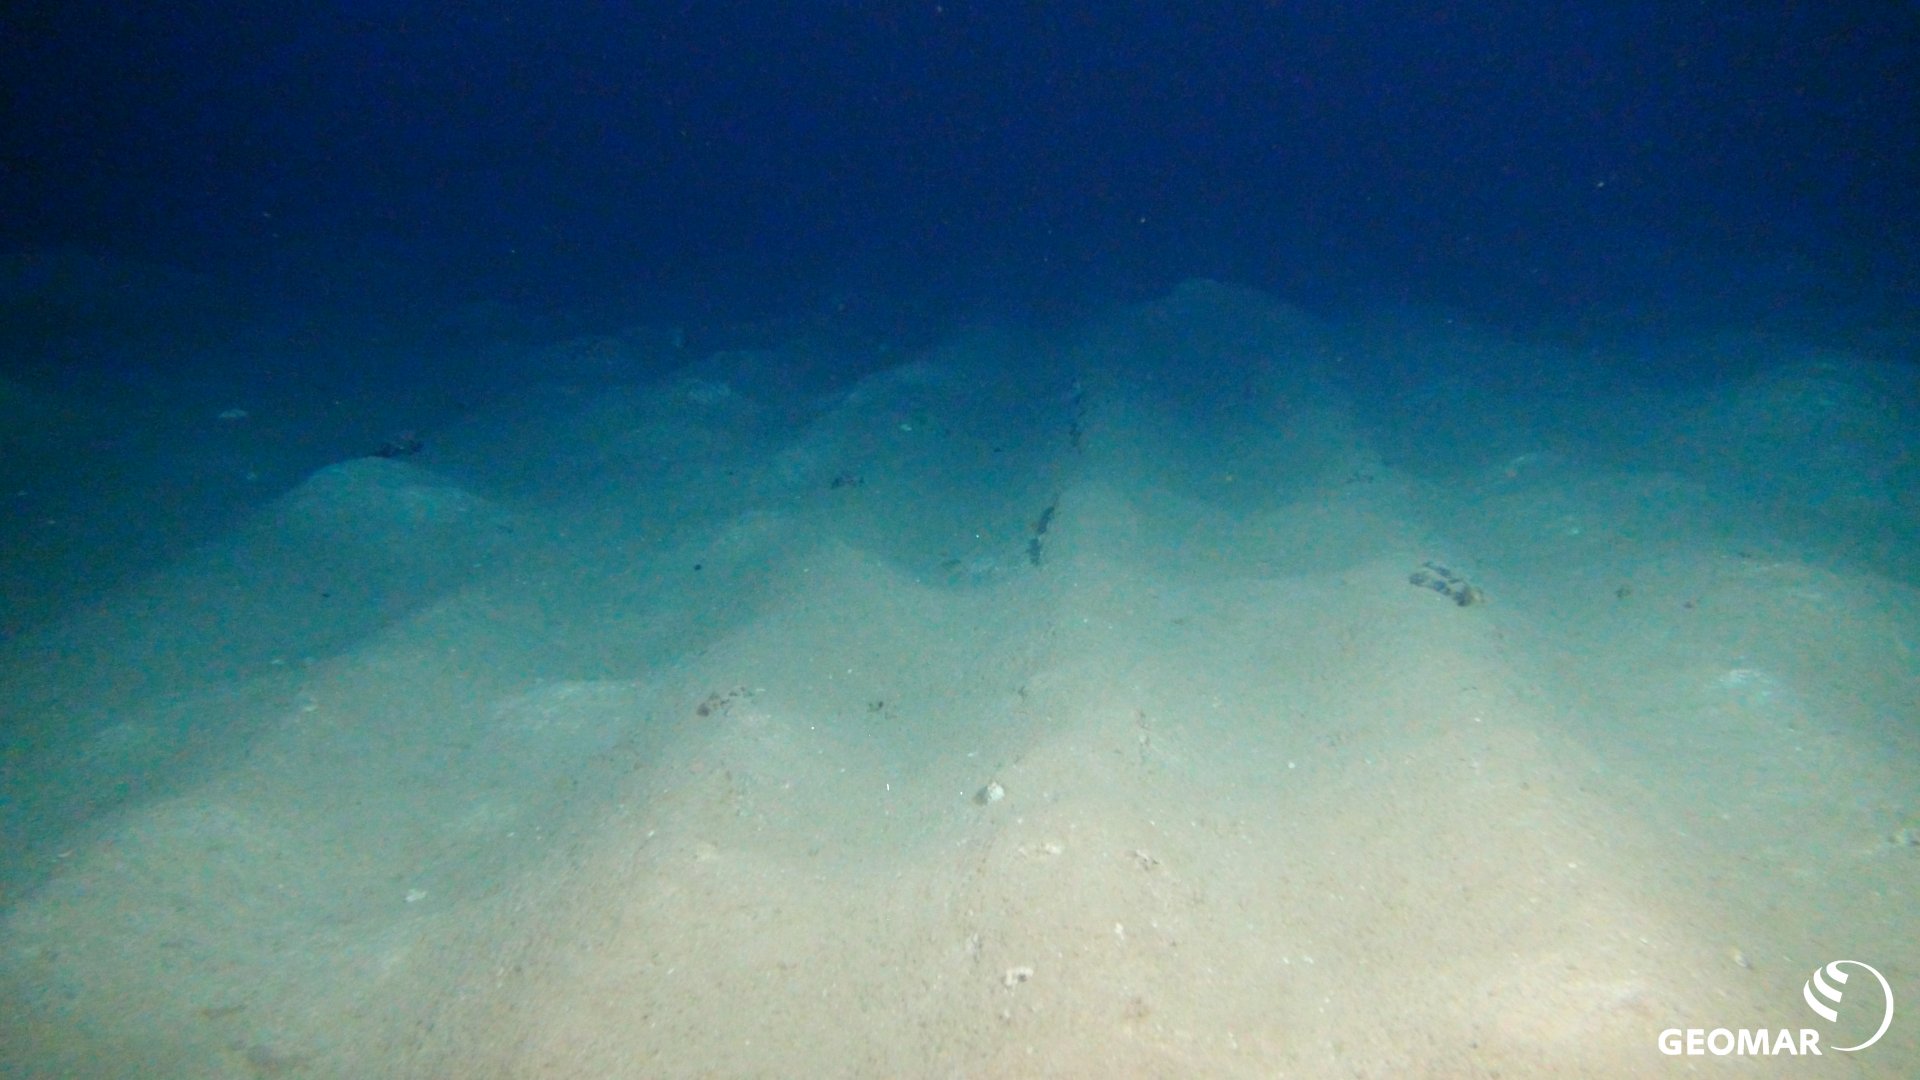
(1823, 993)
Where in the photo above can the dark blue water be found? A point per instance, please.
(1537, 160)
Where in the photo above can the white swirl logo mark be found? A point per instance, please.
(1826, 983)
